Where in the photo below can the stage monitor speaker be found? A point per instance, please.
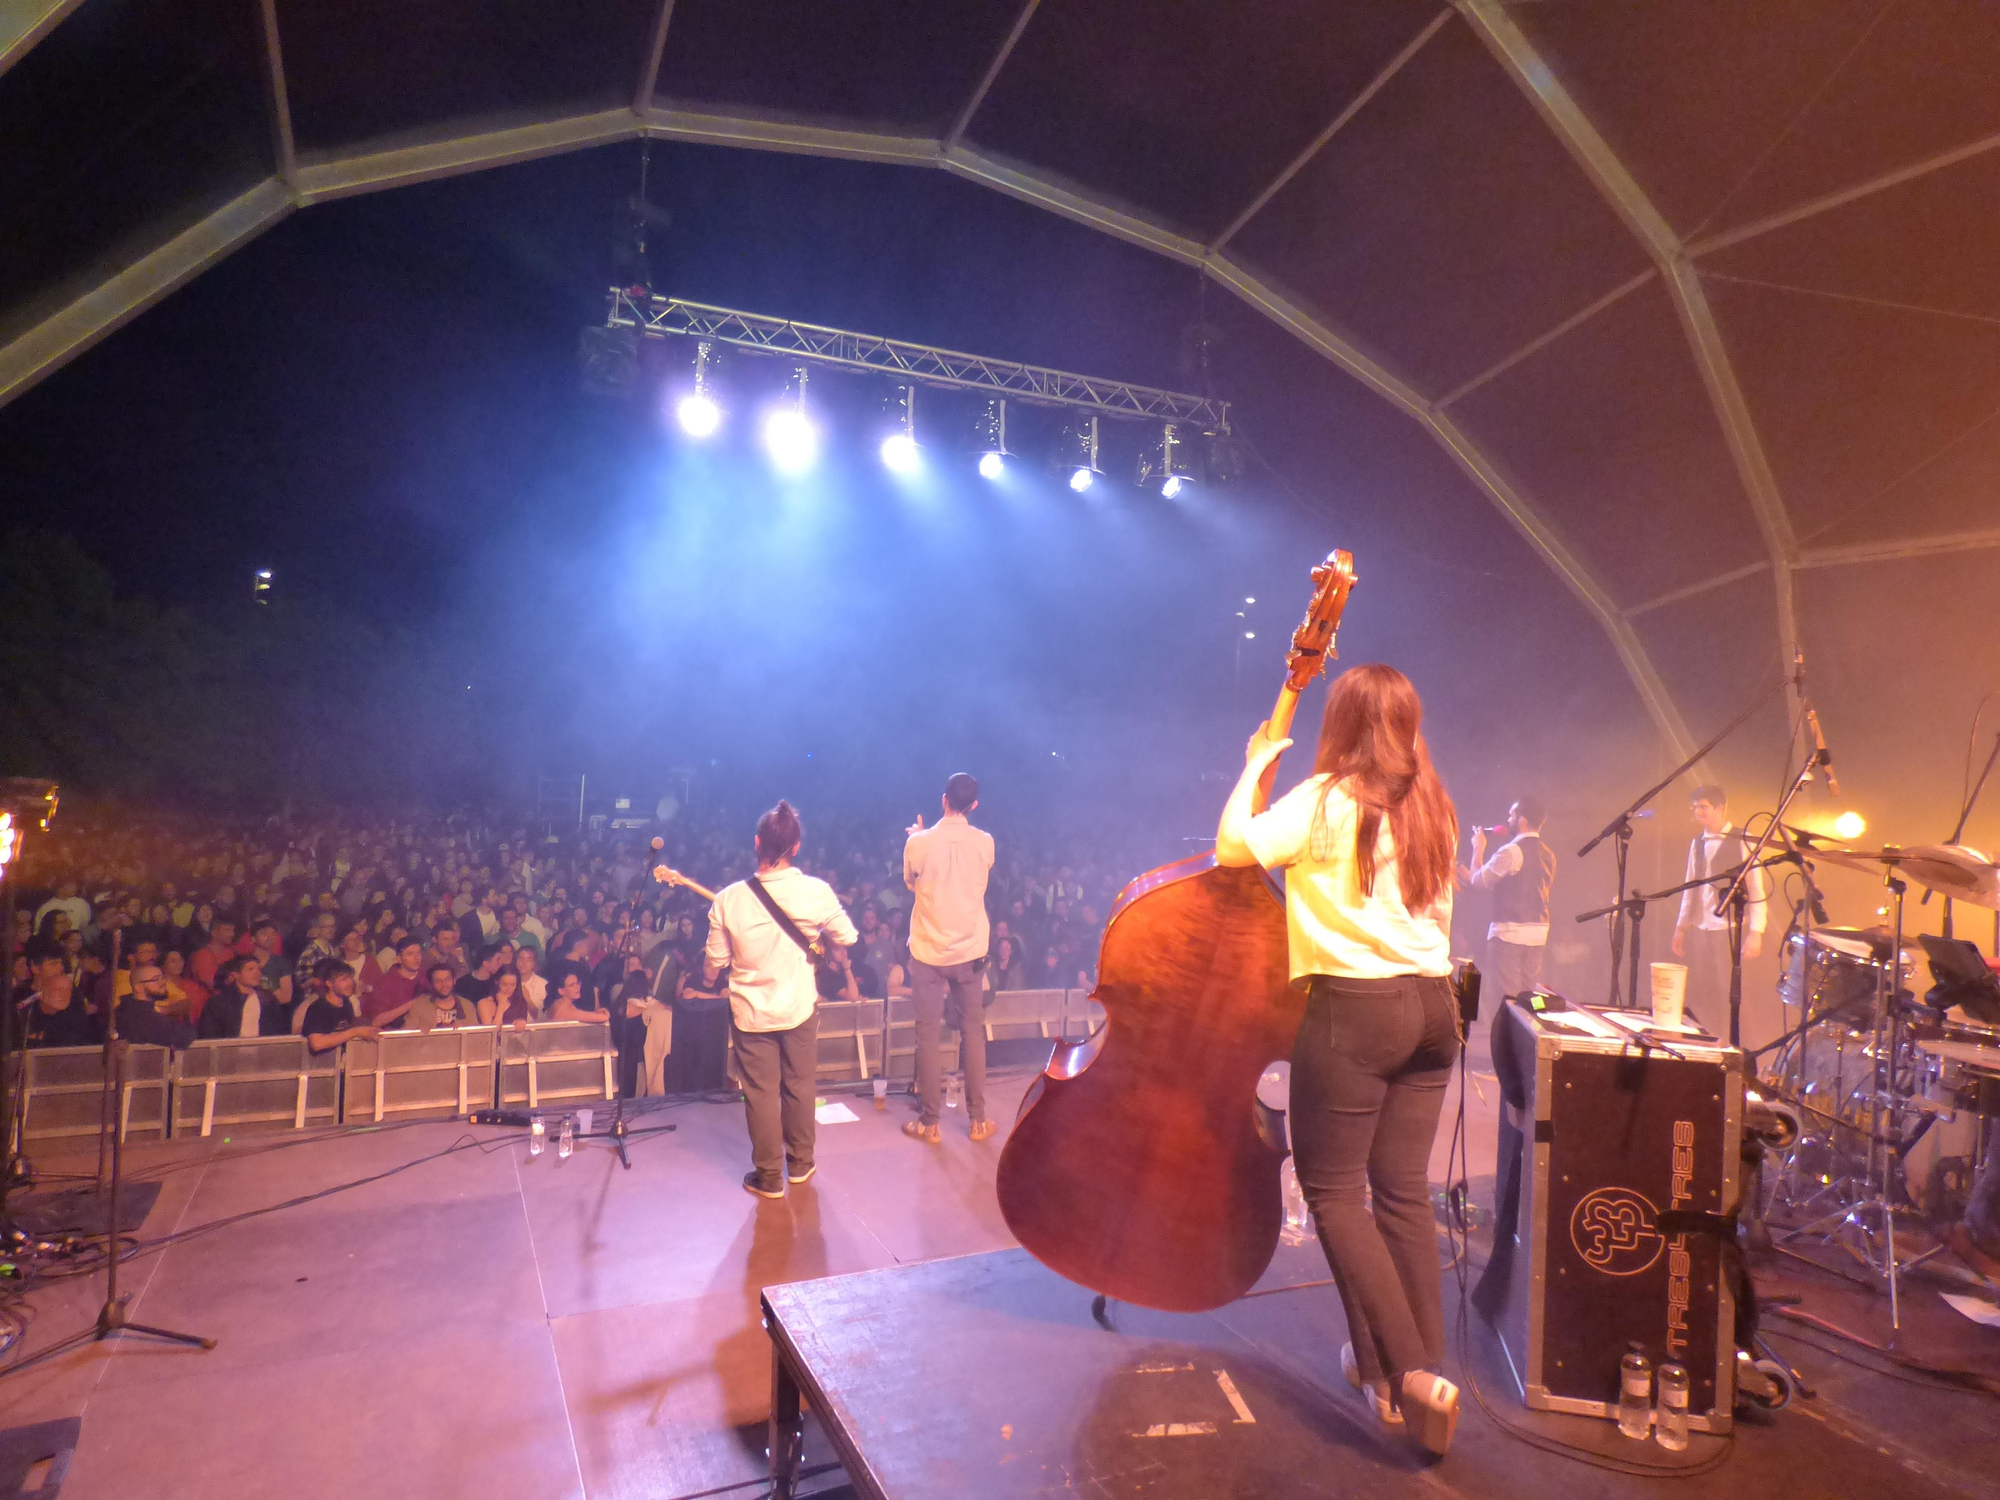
(1617, 1168)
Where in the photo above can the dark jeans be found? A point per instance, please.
(929, 984)
(778, 1069)
(1368, 1078)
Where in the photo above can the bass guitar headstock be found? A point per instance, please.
(1313, 642)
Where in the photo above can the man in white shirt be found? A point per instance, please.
(772, 998)
(1519, 874)
(69, 903)
(1700, 936)
(946, 869)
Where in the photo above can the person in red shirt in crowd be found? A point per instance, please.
(398, 989)
(182, 983)
(221, 947)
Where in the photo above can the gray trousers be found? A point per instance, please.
(1707, 959)
(1517, 969)
(778, 1069)
(929, 984)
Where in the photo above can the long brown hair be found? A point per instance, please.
(1371, 740)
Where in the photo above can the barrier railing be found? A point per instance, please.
(256, 1080)
(1014, 1011)
(556, 1061)
(419, 1074)
(62, 1092)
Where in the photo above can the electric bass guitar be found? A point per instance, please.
(816, 949)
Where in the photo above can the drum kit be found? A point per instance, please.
(1866, 1066)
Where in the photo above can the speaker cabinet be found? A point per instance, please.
(1599, 1138)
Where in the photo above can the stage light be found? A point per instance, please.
(991, 434)
(1079, 447)
(697, 412)
(7, 839)
(900, 454)
(789, 435)
(698, 416)
(1166, 463)
(260, 586)
(1850, 825)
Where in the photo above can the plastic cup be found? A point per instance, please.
(583, 1119)
(881, 1093)
(1670, 983)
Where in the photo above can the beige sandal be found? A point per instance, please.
(981, 1129)
(917, 1130)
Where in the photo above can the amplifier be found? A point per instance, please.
(1610, 1153)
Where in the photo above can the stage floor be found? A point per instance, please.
(490, 1325)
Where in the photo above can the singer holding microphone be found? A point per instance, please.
(1519, 874)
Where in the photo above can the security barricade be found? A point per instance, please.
(849, 1036)
(406, 1075)
(267, 1081)
(62, 1092)
(1022, 1013)
(556, 1062)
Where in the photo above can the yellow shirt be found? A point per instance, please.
(1334, 928)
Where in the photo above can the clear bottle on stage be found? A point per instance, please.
(1670, 1415)
(1635, 1393)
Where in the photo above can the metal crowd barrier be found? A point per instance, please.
(1014, 1010)
(62, 1092)
(257, 1080)
(556, 1062)
(419, 1074)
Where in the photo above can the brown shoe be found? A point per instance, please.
(981, 1129)
(917, 1130)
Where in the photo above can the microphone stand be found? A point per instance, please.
(1734, 900)
(1620, 828)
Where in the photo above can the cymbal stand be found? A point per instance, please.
(1872, 1220)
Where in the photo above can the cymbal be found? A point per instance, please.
(1953, 870)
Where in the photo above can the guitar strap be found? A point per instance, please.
(779, 916)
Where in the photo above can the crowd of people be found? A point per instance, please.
(332, 928)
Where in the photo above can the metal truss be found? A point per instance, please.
(663, 317)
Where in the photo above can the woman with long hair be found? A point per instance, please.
(1367, 844)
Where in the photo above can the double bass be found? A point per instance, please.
(1142, 1164)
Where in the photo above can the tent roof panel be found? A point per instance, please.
(368, 70)
(1135, 98)
(899, 63)
(1444, 225)
(1611, 431)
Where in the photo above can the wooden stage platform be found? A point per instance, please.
(480, 1323)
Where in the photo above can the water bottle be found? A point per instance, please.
(1298, 1218)
(954, 1092)
(538, 1136)
(1670, 1416)
(566, 1142)
(1635, 1393)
